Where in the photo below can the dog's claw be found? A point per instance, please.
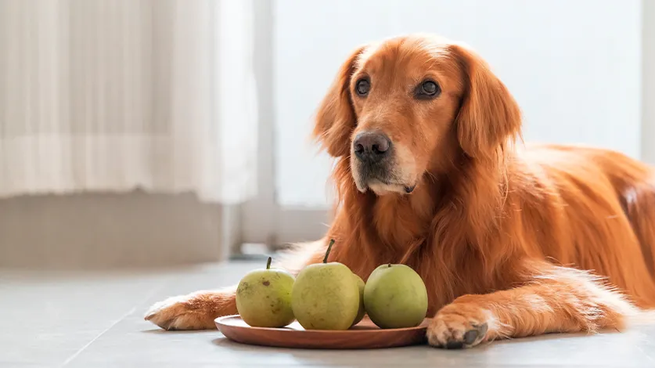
(454, 345)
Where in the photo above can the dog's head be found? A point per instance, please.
(408, 106)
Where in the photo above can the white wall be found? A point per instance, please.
(648, 82)
(573, 65)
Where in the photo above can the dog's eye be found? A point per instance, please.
(362, 87)
(428, 89)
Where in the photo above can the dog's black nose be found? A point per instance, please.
(370, 146)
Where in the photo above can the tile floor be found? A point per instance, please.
(94, 319)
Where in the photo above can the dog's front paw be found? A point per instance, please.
(174, 313)
(459, 326)
(195, 311)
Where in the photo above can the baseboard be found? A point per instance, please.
(111, 230)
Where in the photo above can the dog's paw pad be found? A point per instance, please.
(456, 331)
(471, 336)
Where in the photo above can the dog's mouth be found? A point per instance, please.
(381, 187)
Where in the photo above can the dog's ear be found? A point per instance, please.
(489, 116)
(335, 119)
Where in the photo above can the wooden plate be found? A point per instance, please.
(365, 335)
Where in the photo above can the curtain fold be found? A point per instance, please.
(114, 95)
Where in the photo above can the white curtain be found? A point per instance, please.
(115, 95)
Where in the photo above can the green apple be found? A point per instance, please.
(264, 297)
(395, 297)
(325, 296)
(361, 312)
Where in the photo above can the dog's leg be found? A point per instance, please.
(556, 300)
(197, 311)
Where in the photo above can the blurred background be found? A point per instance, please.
(159, 132)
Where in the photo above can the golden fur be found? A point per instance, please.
(510, 241)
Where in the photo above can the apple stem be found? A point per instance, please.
(389, 265)
(268, 263)
(327, 253)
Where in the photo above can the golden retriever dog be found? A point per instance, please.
(511, 241)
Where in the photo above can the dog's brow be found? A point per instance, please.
(366, 54)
